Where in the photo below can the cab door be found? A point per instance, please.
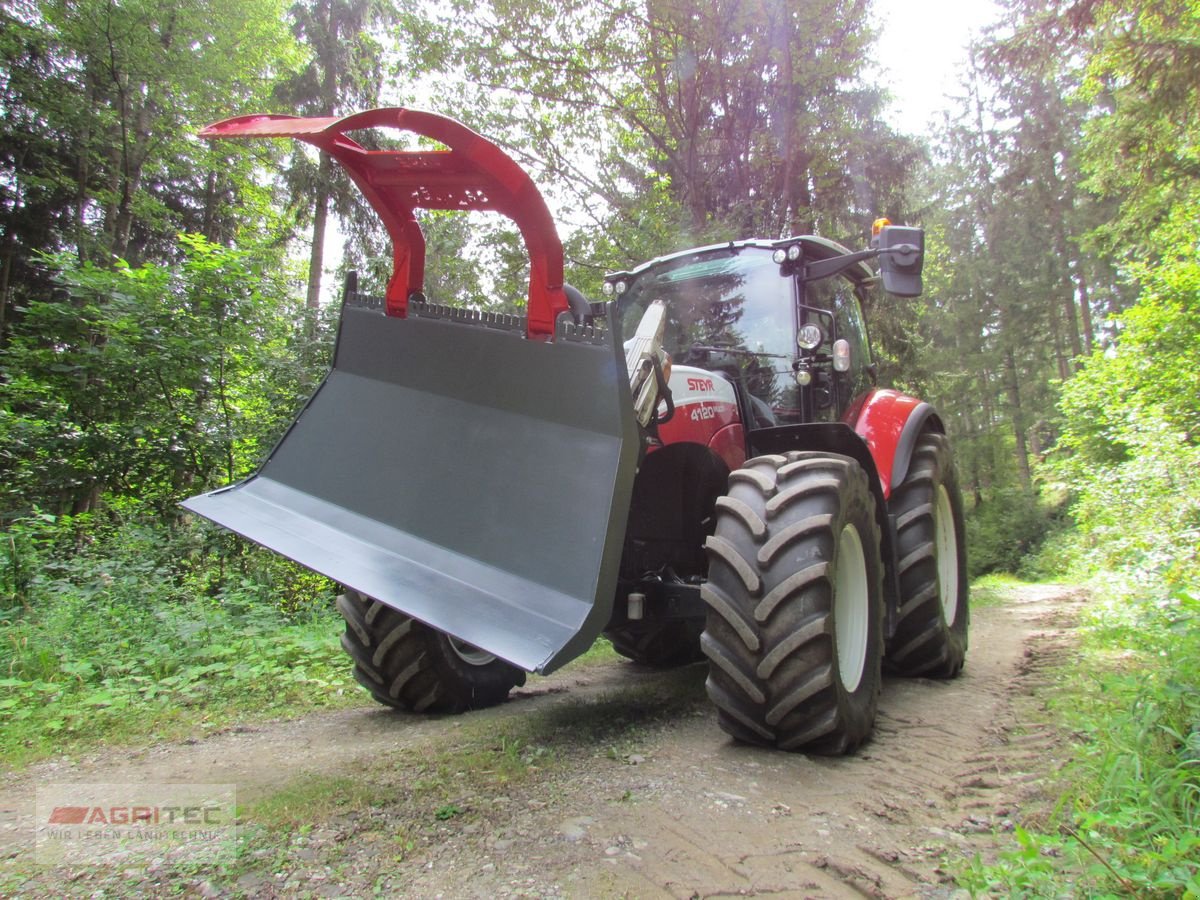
(834, 304)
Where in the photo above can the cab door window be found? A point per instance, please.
(838, 300)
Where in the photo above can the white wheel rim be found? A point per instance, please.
(946, 544)
(469, 653)
(851, 608)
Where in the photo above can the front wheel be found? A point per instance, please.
(931, 627)
(794, 629)
(408, 665)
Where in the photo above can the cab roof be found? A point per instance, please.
(813, 247)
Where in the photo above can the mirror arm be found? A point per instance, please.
(824, 268)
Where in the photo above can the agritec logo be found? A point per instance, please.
(103, 823)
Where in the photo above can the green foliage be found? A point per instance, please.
(1130, 448)
(447, 811)
(1152, 370)
(150, 381)
(1004, 531)
(116, 641)
(1142, 515)
(19, 556)
(1143, 70)
(101, 101)
(1129, 820)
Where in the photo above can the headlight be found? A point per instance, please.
(809, 337)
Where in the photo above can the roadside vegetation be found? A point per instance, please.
(119, 643)
(1127, 821)
(1126, 468)
(1123, 817)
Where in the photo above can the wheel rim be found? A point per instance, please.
(850, 608)
(946, 543)
(469, 653)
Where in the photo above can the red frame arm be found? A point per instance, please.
(472, 173)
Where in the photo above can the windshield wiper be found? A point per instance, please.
(734, 351)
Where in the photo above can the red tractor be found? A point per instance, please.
(496, 491)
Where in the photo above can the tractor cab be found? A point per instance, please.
(781, 321)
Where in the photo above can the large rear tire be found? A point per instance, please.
(408, 665)
(662, 644)
(931, 628)
(794, 631)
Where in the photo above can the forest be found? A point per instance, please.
(165, 309)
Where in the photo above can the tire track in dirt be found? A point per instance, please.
(698, 815)
(950, 765)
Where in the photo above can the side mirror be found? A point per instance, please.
(901, 256)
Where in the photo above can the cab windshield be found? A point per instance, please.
(736, 301)
(730, 312)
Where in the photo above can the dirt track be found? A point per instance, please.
(673, 808)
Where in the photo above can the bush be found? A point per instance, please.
(1131, 795)
(130, 628)
(1005, 531)
(1140, 516)
(19, 560)
(151, 382)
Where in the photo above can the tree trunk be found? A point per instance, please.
(1061, 200)
(1060, 357)
(1021, 444)
(132, 164)
(5, 282)
(316, 259)
(208, 222)
(1085, 306)
(83, 172)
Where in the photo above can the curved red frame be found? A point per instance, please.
(472, 174)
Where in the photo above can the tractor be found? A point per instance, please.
(700, 466)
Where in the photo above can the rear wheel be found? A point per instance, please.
(931, 628)
(794, 631)
(408, 665)
(667, 643)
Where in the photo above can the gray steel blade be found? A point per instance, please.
(470, 478)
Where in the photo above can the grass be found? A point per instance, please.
(600, 652)
(194, 669)
(312, 798)
(128, 642)
(83, 671)
(119, 643)
(992, 590)
(1128, 821)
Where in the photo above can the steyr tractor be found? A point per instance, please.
(699, 466)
